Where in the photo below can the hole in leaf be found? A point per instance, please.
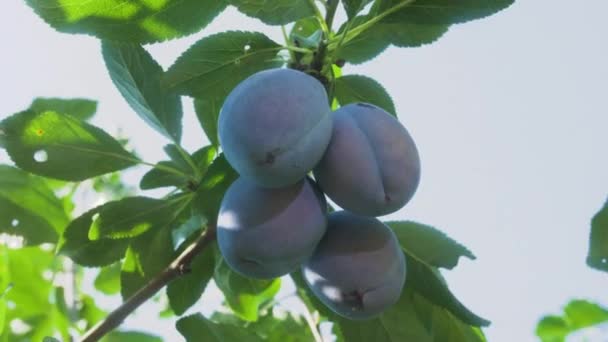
(604, 261)
(247, 47)
(14, 222)
(41, 156)
(300, 28)
(11, 305)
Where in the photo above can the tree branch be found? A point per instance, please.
(178, 267)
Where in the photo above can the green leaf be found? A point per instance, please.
(214, 65)
(307, 29)
(357, 88)
(59, 146)
(76, 244)
(149, 253)
(132, 216)
(442, 324)
(138, 78)
(129, 21)
(274, 12)
(597, 257)
(180, 158)
(82, 109)
(159, 177)
(186, 290)
(378, 37)
(203, 157)
(208, 113)
(28, 207)
(429, 244)
(352, 7)
(578, 314)
(399, 323)
(211, 190)
(197, 328)
(428, 282)
(439, 12)
(130, 336)
(108, 279)
(244, 295)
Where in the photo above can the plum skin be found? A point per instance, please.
(371, 166)
(265, 233)
(275, 126)
(358, 269)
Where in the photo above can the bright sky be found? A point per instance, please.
(509, 113)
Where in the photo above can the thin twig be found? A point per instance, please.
(178, 267)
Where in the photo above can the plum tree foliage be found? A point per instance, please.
(287, 127)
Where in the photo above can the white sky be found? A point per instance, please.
(509, 114)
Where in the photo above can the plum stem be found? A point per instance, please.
(177, 268)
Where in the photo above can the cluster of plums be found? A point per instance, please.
(275, 127)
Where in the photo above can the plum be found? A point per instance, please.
(268, 232)
(371, 166)
(274, 126)
(358, 268)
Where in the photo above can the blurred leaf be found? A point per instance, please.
(244, 295)
(82, 109)
(76, 244)
(5, 286)
(285, 327)
(214, 65)
(357, 88)
(208, 113)
(429, 244)
(123, 20)
(211, 190)
(274, 12)
(32, 293)
(598, 241)
(578, 314)
(130, 336)
(108, 279)
(186, 290)
(138, 78)
(159, 178)
(90, 312)
(29, 208)
(132, 216)
(197, 328)
(352, 7)
(111, 186)
(60, 146)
